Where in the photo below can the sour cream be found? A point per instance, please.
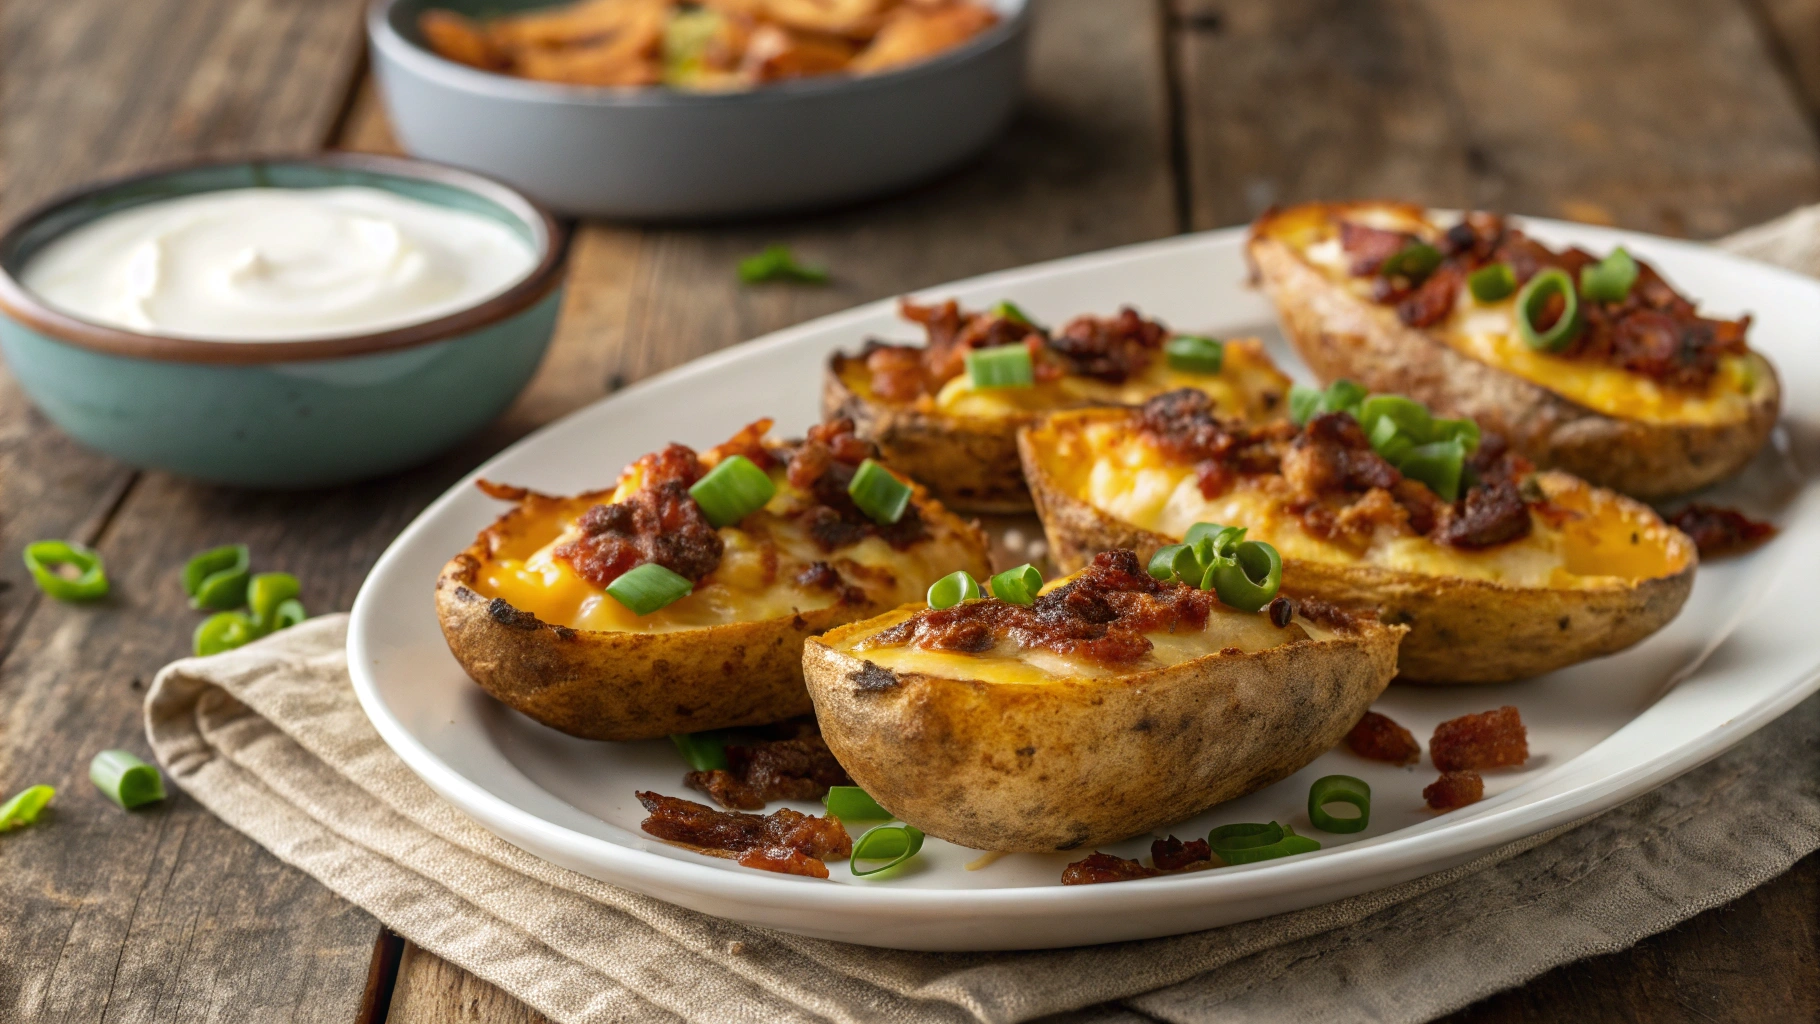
(275, 264)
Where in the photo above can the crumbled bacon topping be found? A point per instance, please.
(1113, 348)
(796, 768)
(1101, 615)
(1455, 789)
(1379, 738)
(659, 523)
(1490, 739)
(1720, 531)
(784, 840)
(1104, 867)
(1181, 424)
(823, 466)
(1653, 331)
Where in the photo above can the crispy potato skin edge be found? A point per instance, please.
(1341, 335)
(1079, 762)
(607, 685)
(1460, 630)
(969, 464)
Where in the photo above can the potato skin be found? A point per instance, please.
(1342, 335)
(969, 463)
(1461, 630)
(610, 685)
(1031, 768)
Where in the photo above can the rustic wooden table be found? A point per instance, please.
(1144, 118)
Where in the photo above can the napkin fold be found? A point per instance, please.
(271, 739)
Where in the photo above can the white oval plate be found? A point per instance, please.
(1601, 732)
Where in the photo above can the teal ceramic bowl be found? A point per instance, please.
(282, 414)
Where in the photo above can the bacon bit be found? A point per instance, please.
(819, 576)
(897, 371)
(1430, 303)
(1181, 425)
(750, 442)
(784, 861)
(952, 334)
(1380, 739)
(659, 523)
(1370, 247)
(1173, 855)
(1491, 739)
(1455, 789)
(709, 830)
(1112, 349)
(798, 768)
(1491, 514)
(823, 465)
(1100, 615)
(1104, 867)
(1718, 532)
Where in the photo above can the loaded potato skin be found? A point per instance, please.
(526, 622)
(1594, 573)
(918, 404)
(1623, 417)
(1063, 758)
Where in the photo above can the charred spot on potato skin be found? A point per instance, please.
(1143, 725)
(1026, 751)
(870, 678)
(502, 612)
(1563, 622)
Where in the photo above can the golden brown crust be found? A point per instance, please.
(1034, 767)
(1343, 335)
(610, 685)
(968, 463)
(1461, 630)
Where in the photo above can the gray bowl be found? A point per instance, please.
(658, 154)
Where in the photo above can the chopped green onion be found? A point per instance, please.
(1415, 261)
(705, 751)
(893, 843)
(1533, 299)
(645, 588)
(1249, 577)
(1001, 366)
(125, 779)
(1464, 430)
(266, 593)
(216, 579)
(952, 589)
(42, 559)
(288, 613)
(1410, 416)
(777, 263)
(732, 490)
(879, 493)
(224, 631)
(1005, 310)
(1491, 282)
(1243, 836)
(1175, 562)
(1339, 789)
(1018, 586)
(1288, 845)
(24, 807)
(851, 803)
(1193, 354)
(1610, 279)
(1439, 464)
(1212, 532)
(1306, 403)
(1390, 441)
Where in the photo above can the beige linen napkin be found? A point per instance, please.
(270, 738)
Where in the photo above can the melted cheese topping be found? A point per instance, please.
(1008, 663)
(1487, 332)
(1119, 474)
(756, 578)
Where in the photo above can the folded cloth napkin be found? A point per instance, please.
(270, 738)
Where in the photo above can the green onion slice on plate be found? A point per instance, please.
(879, 493)
(24, 807)
(732, 490)
(851, 803)
(705, 751)
(125, 779)
(1249, 843)
(1533, 300)
(1018, 586)
(1339, 789)
(645, 588)
(1491, 282)
(952, 589)
(1001, 366)
(217, 578)
(1194, 354)
(893, 844)
(46, 559)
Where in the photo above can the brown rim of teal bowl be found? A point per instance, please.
(20, 304)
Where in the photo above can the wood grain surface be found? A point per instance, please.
(1145, 117)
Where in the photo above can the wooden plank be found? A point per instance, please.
(1791, 30)
(1662, 115)
(433, 991)
(164, 915)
